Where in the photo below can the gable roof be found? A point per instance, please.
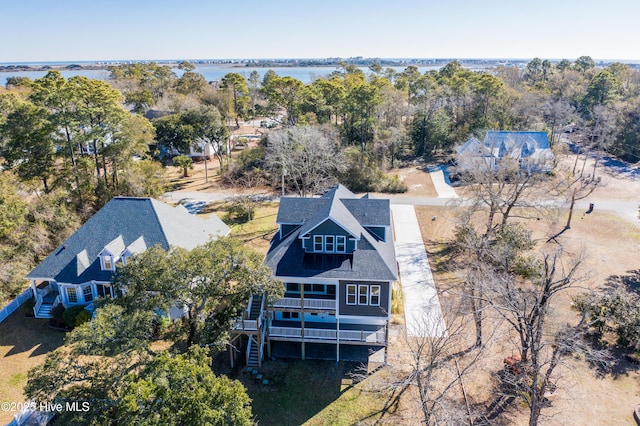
(124, 223)
(516, 144)
(373, 259)
(502, 144)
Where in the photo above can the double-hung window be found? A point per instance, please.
(363, 294)
(317, 243)
(72, 297)
(341, 244)
(87, 292)
(107, 263)
(351, 294)
(374, 297)
(329, 244)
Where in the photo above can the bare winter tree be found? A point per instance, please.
(557, 113)
(306, 158)
(525, 304)
(499, 193)
(572, 186)
(431, 370)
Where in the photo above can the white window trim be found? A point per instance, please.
(344, 243)
(84, 296)
(321, 242)
(75, 292)
(326, 250)
(371, 295)
(355, 294)
(103, 264)
(365, 294)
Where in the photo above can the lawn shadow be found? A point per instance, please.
(22, 334)
(297, 390)
(630, 282)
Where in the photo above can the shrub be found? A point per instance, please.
(70, 315)
(58, 312)
(393, 185)
(242, 208)
(82, 317)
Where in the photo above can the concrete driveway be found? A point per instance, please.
(423, 315)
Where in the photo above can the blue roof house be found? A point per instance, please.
(81, 268)
(530, 149)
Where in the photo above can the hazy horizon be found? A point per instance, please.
(118, 30)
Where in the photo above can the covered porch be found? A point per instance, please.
(336, 334)
(327, 332)
(46, 294)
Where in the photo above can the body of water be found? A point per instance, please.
(212, 72)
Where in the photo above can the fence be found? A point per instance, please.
(15, 304)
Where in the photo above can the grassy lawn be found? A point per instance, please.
(311, 392)
(24, 342)
(256, 233)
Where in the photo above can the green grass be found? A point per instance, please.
(256, 233)
(18, 380)
(311, 392)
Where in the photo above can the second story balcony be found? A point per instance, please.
(326, 303)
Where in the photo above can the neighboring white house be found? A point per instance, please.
(81, 268)
(201, 150)
(530, 149)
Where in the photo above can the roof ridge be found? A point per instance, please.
(155, 213)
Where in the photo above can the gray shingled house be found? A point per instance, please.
(530, 149)
(81, 268)
(336, 257)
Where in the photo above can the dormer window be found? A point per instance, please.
(330, 243)
(110, 254)
(107, 263)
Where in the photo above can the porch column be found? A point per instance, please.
(34, 289)
(386, 341)
(302, 319)
(269, 319)
(337, 339)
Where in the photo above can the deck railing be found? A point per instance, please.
(36, 308)
(247, 325)
(376, 336)
(295, 303)
(373, 336)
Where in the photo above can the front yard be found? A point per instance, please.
(24, 343)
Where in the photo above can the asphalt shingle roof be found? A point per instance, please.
(124, 222)
(373, 259)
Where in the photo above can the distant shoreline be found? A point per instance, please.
(257, 63)
(282, 63)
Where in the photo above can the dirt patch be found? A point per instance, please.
(24, 343)
(418, 181)
(609, 246)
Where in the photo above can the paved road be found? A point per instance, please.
(423, 315)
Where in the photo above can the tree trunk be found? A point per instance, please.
(104, 167)
(567, 226)
(96, 158)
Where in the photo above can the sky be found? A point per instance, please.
(100, 30)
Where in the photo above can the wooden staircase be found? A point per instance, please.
(256, 306)
(44, 311)
(254, 354)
